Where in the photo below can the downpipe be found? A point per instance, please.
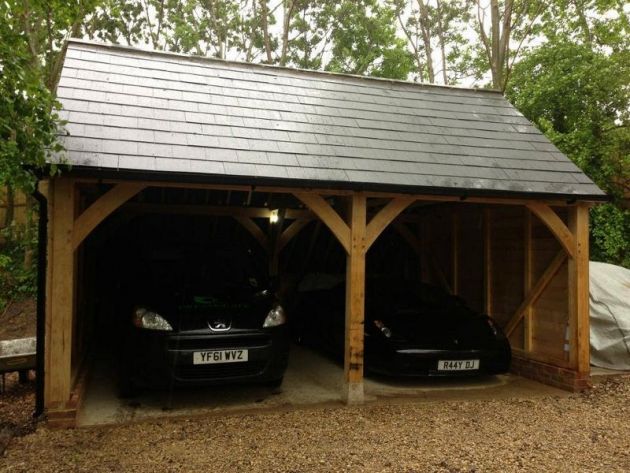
(42, 242)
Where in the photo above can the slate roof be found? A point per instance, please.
(136, 110)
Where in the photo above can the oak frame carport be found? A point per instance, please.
(503, 203)
(68, 229)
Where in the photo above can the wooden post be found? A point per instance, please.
(579, 290)
(487, 261)
(355, 300)
(527, 279)
(455, 252)
(61, 305)
(356, 236)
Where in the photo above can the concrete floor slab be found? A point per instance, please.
(310, 379)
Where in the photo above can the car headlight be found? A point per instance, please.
(387, 333)
(147, 319)
(275, 317)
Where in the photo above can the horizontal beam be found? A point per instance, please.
(213, 210)
(341, 192)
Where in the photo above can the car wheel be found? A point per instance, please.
(276, 383)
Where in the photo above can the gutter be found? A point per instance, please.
(42, 240)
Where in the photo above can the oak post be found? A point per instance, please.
(527, 279)
(455, 252)
(579, 290)
(487, 261)
(355, 301)
(61, 290)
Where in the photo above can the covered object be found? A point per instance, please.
(610, 316)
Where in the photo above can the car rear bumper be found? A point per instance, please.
(421, 363)
(164, 360)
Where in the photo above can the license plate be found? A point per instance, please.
(458, 365)
(219, 356)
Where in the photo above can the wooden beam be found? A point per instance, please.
(487, 261)
(328, 216)
(385, 216)
(213, 210)
(291, 231)
(455, 252)
(527, 280)
(536, 291)
(578, 293)
(355, 301)
(101, 209)
(59, 319)
(555, 225)
(338, 192)
(255, 231)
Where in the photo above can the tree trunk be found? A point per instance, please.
(10, 208)
(425, 26)
(288, 13)
(440, 13)
(264, 12)
(495, 37)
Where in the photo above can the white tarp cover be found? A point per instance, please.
(610, 316)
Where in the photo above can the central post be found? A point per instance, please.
(355, 299)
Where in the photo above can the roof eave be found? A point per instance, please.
(253, 181)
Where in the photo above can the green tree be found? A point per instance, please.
(435, 36)
(503, 27)
(28, 119)
(579, 96)
(364, 41)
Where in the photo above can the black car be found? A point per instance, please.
(201, 320)
(410, 329)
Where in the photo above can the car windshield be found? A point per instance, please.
(200, 273)
(403, 304)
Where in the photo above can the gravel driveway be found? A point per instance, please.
(588, 432)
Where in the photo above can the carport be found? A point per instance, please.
(493, 211)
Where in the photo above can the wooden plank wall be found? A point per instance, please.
(550, 312)
(507, 226)
(507, 246)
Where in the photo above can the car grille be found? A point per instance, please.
(223, 370)
(199, 343)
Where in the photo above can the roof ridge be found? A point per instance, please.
(340, 75)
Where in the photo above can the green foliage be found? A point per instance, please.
(610, 234)
(17, 280)
(28, 119)
(579, 96)
(365, 42)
